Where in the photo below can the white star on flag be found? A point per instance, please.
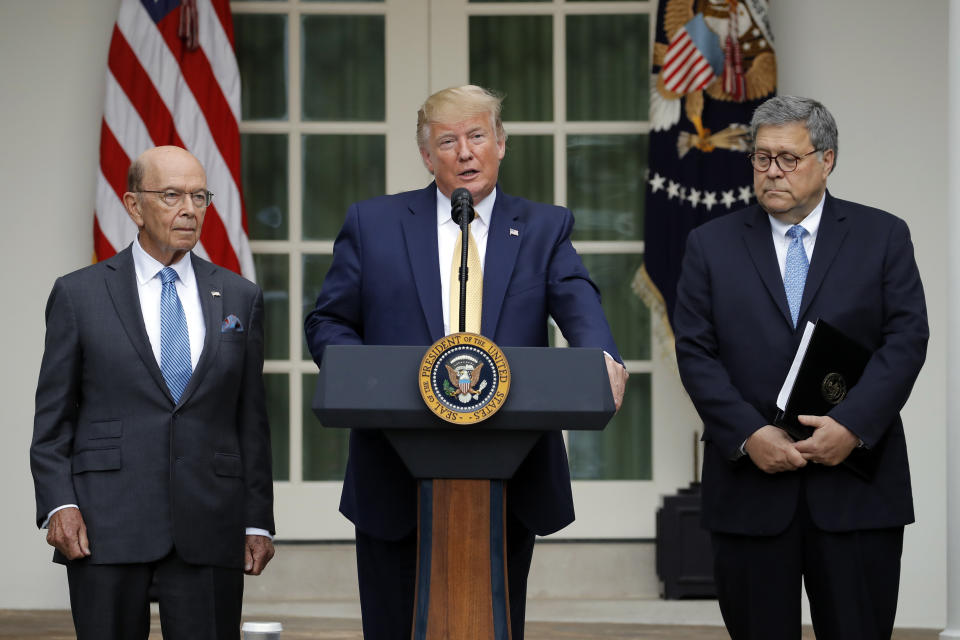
(673, 190)
(656, 182)
(709, 199)
(727, 198)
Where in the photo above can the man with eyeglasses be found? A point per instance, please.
(780, 510)
(151, 448)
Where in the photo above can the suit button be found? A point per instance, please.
(179, 459)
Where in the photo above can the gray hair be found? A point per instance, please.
(781, 110)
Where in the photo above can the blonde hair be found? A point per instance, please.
(459, 103)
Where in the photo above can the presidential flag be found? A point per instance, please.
(172, 79)
(713, 64)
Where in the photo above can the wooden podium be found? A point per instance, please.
(461, 559)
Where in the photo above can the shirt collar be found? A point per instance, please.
(147, 267)
(811, 223)
(484, 209)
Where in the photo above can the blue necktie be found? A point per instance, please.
(174, 338)
(795, 270)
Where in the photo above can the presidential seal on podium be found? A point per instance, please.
(464, 378)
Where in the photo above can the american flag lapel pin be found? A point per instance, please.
(215, 294)
(514, 232)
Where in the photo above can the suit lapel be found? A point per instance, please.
(759, 241)
(501, 255)
(121, 281)
(208, 282)
(419, 224)
(833, 229)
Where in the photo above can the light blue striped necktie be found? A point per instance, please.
(795, 270)
(174, 337)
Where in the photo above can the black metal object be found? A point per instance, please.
(684, 557)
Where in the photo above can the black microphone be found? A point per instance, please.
(461, 200)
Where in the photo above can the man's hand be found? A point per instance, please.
(618, 379)
(258, 552)
(830, 443)
(68, 533)
(773, 450)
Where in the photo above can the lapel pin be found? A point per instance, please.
(215, 294)
(514, 232)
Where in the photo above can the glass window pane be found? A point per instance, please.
(497, 43)
(605, 185)
(324, 450)
(622, 451)
(608, 67)
(261, 42)
(628, 316)
(265, 185)
(273, 276)
(343, 68)
(315, 269)
(338, 170)
(527, 167)
(277, 387)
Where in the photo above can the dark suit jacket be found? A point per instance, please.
(384, 288)
(148, 473)
(735, 343)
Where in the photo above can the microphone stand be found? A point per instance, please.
(464, 275)
(462, 211)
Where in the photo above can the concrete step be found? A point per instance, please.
(582, 581)
(595, 570)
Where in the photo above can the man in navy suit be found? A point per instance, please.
(778, 509)
(389, 284)
(151, 448)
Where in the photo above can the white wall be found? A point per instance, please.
(879, 65)
(52, 63)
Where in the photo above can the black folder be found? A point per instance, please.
(831, 365)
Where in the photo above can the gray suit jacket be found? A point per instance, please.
(147, 473)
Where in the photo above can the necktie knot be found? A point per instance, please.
(168, 275)
(796, 232)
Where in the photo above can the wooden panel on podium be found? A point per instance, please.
(462, 589)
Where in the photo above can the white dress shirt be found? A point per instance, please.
(781, 241)
(447, 232)
(149, 287)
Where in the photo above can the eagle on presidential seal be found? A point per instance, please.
(464, 379)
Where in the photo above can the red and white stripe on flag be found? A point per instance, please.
(158, 93)
(685, 69)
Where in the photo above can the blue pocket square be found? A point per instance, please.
(231, 323)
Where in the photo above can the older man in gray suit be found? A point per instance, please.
(151, 448)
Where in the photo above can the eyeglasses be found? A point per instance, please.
(786, 161)
(172, 197)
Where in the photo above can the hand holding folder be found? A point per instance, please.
(826, 366)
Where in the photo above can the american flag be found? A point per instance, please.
(172, 78)
(693, 58)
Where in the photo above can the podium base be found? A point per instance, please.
(461, 561)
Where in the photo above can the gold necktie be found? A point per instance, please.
(474, 286)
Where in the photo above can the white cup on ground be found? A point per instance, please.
(261, 630)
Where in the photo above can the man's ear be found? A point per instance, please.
(425, 155)
(828, 157)
(131, 202)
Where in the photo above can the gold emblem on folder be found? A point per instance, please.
(834, 388)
